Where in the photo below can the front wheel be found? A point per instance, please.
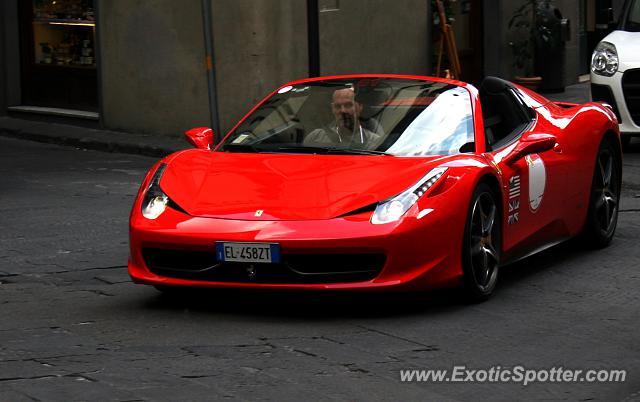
(602, 217)
(481, 245)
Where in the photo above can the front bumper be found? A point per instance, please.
(418, 253)
(622, 91)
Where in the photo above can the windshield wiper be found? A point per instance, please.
(366, 152)
(330, 150)
(240, 148)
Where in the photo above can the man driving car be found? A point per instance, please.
(346, 131)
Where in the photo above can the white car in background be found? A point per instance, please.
(615, 71)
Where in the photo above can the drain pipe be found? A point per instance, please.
(313, 38)
(211, 75)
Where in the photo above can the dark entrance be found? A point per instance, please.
(466, 19)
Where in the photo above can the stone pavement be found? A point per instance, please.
(154, 145)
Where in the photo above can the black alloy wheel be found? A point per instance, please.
(482, 244)
(604, 201)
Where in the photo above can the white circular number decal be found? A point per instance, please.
(537, 181)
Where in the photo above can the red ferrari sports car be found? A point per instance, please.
(374, 182)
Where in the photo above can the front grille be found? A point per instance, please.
(293, 269)
(631, 90)
(602, 93)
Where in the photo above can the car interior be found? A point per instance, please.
(504, 113)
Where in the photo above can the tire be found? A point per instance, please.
(626, 142)
(482, 245)
(604, 199)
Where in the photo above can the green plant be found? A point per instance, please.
(529, 27)
(448, 11)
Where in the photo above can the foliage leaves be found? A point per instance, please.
(529, 28)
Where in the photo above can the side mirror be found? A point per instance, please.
(200, 137)
(532, 144)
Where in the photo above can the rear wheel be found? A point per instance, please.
(602, 217)
(481, 245)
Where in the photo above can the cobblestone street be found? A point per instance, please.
(75, 328)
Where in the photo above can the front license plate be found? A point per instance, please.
(248, 252)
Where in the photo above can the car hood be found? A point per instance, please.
(628, 46)
(286, 186)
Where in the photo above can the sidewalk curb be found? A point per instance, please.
(80, 137)
(88, 143)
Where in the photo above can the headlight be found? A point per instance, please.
(155, 200)
(604, 60)
(392, 209)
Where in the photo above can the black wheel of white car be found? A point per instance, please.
(626, 142)
(604, 201)
(481, 245)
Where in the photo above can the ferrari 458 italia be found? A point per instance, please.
(378, 182)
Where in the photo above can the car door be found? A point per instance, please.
(534, 205)
(534, 187)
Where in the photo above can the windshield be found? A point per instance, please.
(632, 22)
(401, 117)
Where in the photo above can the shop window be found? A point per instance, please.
(59, 54)
(64, 33)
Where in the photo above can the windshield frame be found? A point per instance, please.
(476, 123)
